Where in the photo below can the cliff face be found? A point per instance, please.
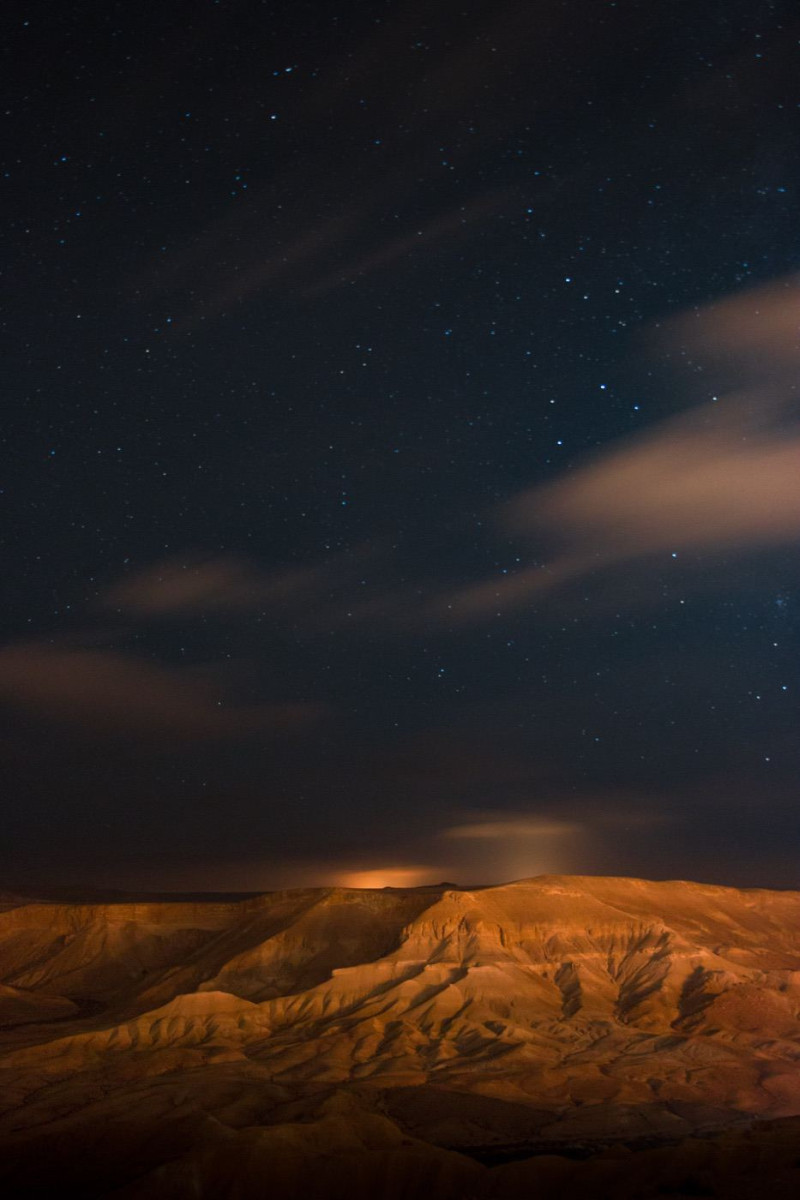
(425, 1025)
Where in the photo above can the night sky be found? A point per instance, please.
(400, 471)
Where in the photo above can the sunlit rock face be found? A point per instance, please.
(515, 1040)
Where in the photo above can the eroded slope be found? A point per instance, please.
(495, 1021)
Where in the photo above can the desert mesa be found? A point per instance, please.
(551, 1037)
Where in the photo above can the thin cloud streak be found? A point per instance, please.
(726, 476)
(332, 228)
(723, 477)
(186, 585)
(684, 487)
(513, 827)
(447, 225)
(317, 259)
(106, 692)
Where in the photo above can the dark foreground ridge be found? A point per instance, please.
(558, 1036)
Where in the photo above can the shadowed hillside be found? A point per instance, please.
(548, 1034)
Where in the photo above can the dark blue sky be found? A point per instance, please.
(397, 466)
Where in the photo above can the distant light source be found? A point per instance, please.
(386, 877)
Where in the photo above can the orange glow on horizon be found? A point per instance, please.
(381, 877)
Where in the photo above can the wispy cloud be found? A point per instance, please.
(178, 586)
(513, 826)
(725, 476)
(722, 477)
(108, 692)
(383, 253)
(305, 227)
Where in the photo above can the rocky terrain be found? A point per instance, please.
(554, 1037)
